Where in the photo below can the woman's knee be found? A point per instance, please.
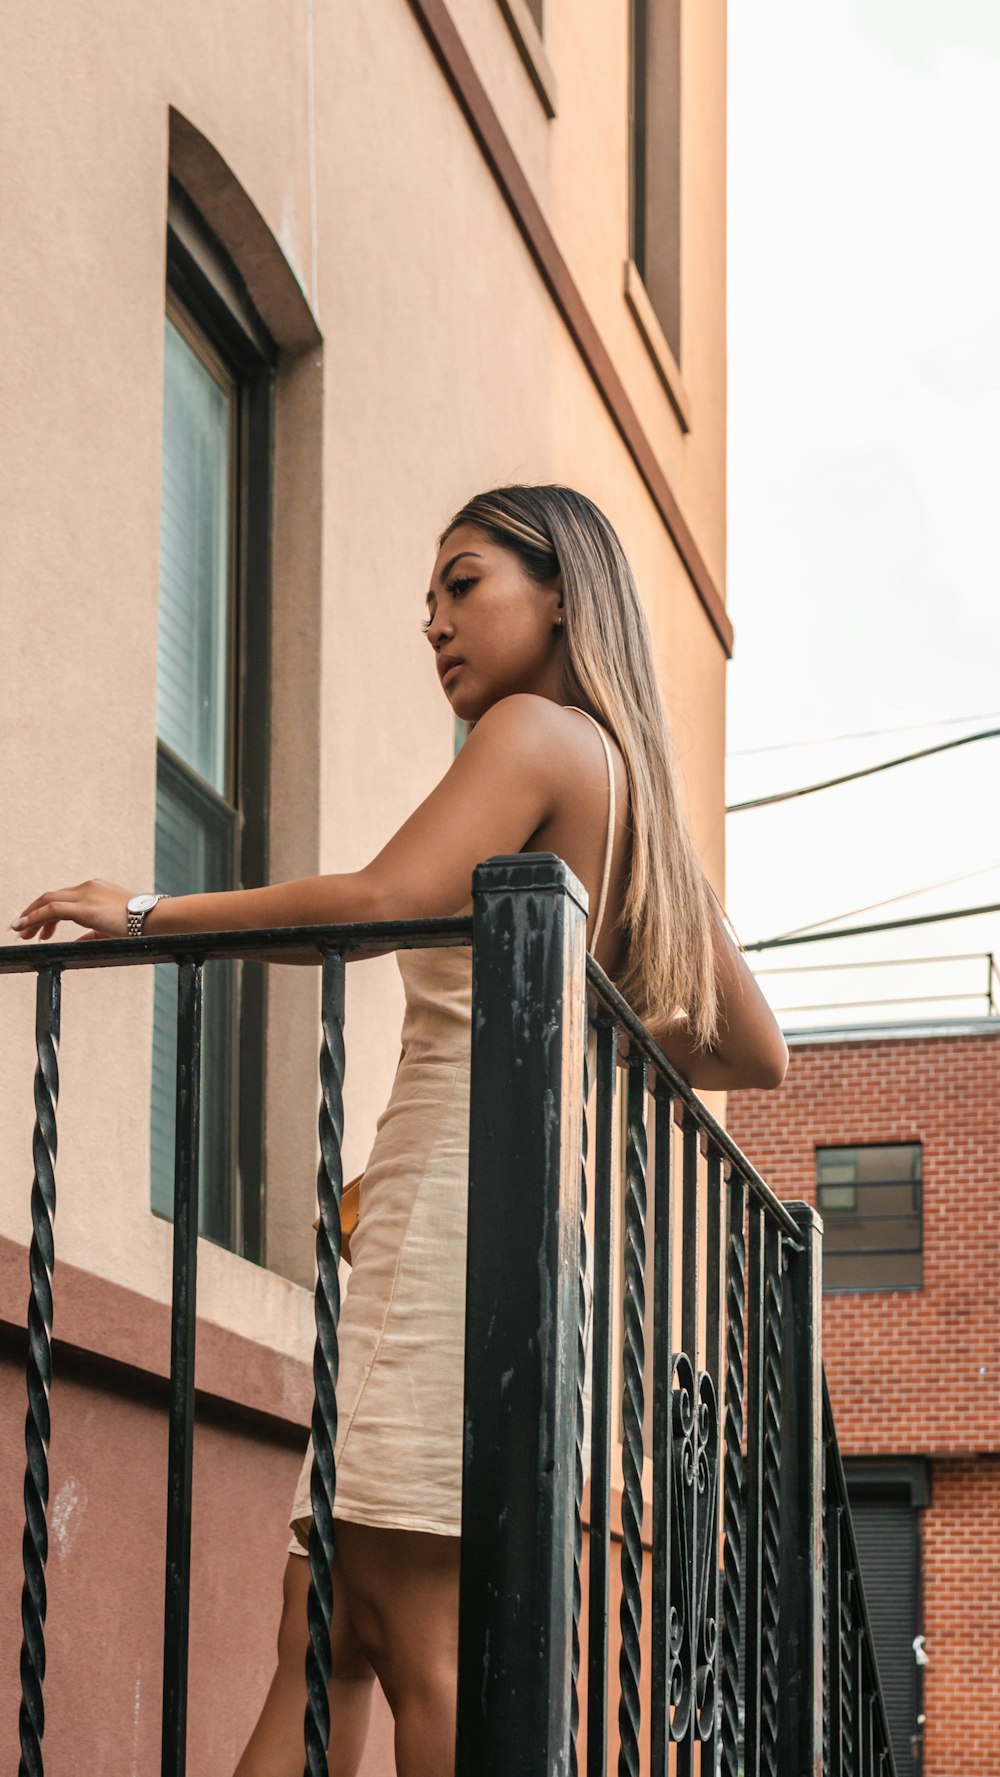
(348, 1661)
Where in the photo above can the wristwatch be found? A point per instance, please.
(137, 910)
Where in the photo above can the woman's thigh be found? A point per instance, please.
(402, 1595)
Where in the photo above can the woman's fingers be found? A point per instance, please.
(99, 906)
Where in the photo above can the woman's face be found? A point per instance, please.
(493, 629)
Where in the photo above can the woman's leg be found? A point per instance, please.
(402, 1587)
(276, 1746)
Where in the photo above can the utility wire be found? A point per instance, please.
(908, 895)
(829, 740)
(886, 925)
(849, 777)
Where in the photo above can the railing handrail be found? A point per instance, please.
(250, 946)
(630, 1021)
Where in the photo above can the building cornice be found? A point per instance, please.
(497, 150)
(913, 1030)
(130, 1332)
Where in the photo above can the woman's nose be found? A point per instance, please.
(439, 629)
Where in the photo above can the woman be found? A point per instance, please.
(540, 642)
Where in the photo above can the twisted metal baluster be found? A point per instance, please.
(600, 1442)
(771, 1528)
(847, 1670)
(330, 1184)
(37, 1425)
(581, 1363)
(827, 1662)
(733, 1492)
(666, 1620)
(630, 1660)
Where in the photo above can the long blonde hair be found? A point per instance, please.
(609, 671)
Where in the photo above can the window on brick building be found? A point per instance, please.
(871, 1202)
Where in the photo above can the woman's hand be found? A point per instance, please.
(101, 907)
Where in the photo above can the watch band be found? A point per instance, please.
(136, 911)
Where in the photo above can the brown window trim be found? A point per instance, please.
(531, 48)
(655, 341)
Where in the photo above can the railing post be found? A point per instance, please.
(800, 1612)
(180, 1434)
(528, 1044)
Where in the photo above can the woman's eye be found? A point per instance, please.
(457, 589)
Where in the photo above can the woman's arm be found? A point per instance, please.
(751, 1050)
(498, 791)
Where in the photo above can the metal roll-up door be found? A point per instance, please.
(886, 1532)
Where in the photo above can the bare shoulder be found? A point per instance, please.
(551, 743)
(528, 721)
(522, 715)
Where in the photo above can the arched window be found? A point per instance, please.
(213, 699)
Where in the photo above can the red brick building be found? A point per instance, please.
(894, 1132)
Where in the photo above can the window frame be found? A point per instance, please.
(529, 35)
(665, 354)
(829, 1213)
(207, 300)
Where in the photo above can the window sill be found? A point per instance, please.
(532, 51)
(644, 315)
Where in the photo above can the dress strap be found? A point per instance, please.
(610, 839)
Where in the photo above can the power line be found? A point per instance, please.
(886, 925)
(908, 895)
(829, 740)
(850, 777)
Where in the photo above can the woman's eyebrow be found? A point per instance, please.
(446, 570)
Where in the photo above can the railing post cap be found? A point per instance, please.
(529, 872)
(807, 1216)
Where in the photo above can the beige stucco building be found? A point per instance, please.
(407, 250)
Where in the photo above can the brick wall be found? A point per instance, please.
(909, 1371)
(961, 1587)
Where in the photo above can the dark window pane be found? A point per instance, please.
(881, 1199)
(872, 1271)
(656, 158)
(195, 835)
(871, 1202)
(873, 1234)
(192, 694)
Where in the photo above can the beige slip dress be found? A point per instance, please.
(402, 1328)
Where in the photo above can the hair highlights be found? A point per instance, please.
(609, 671)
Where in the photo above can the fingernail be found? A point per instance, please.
(16, 924)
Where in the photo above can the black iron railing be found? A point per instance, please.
(332, 945)
(722, 1646)
(753, 1654)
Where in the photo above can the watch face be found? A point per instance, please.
(141, 903)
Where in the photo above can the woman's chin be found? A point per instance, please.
(467, 708)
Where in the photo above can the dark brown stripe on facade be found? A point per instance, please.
(453, 58)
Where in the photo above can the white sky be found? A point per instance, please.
(864, 463)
